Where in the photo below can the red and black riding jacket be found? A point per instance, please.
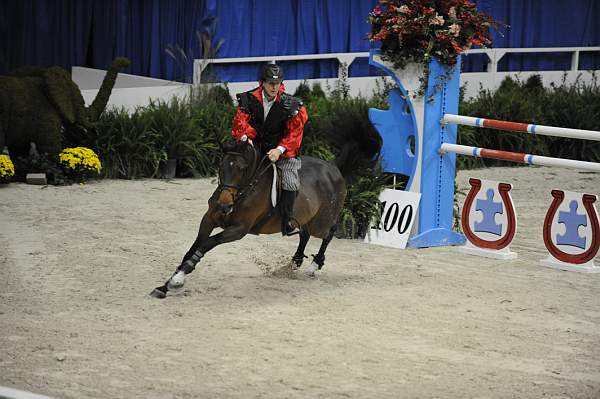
(284, 125)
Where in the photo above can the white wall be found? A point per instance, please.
(132, 91)
(132, 97)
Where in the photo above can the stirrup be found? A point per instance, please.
(291, 229)
(292, 232)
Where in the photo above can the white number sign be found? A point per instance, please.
(398, 212)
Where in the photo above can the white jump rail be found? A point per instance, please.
(522, 127)
(11, 393)
(519, 157)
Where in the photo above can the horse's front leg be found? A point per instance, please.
(207, 225)
(201, 246)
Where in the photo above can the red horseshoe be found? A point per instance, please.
(588, 203)
(503, 242)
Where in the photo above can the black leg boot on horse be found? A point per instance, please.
(289, 225)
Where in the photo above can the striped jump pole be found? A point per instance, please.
(519, 157)
(521, 127)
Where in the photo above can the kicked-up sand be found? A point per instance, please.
(77, 264)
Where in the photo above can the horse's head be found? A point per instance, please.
(240, 160)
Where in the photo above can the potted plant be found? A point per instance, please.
(7, 169)
(79, 164)
(419, 31)
(421, 43)
(172, 121)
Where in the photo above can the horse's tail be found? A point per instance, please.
(357, 140)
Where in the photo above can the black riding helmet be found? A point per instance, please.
(271, 73)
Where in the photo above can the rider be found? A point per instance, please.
(274, 122)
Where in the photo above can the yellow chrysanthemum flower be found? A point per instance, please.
(7, 169)
(80, 159)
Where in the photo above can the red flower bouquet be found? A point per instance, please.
(417, 30)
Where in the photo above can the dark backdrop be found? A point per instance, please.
(92, 32)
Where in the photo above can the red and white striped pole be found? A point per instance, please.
(521, 127)
(519, 157)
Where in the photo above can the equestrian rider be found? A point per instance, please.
(274, 122)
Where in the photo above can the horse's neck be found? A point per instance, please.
(262, 181)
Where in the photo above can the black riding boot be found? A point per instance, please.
(287, 209)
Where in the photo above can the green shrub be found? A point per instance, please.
(574, 106)
(172, 121)
(339, 128)
(135, 145)
(362, 204)
(128, 145)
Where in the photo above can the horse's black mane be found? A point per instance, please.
(234, 146)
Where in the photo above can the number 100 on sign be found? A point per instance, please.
(398, 212)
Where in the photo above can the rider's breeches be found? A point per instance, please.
(290, 180)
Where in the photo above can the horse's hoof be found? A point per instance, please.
(311, 271)
(176, 282)
(158, 293)
(174, 287)
(297, 261)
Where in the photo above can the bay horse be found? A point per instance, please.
(241, 204)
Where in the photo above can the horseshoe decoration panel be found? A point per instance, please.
(489, 220)
(571, 232)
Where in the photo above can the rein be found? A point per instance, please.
(253, 180)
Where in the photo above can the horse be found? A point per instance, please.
(241, 204)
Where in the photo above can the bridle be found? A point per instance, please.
(255, 175)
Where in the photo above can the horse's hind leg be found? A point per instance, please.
(319, 258)
(299, 256)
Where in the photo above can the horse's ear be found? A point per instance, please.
(229, 146)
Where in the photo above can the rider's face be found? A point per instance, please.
(271, 88)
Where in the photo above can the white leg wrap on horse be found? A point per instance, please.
(312, 269)
(177, 280)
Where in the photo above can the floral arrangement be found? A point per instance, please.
(80, 162)
(7, 169)
(417, 30)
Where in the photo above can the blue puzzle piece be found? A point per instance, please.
(489, 209)
(572, 220)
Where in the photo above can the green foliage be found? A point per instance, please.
(136, 145)
(341, 88)
(44, 106)
(64, 95)
(40, 163)
(307, 94)
(574, 106)
(336, 120)
(362, 204)
(127, 145)
(27, 115)
(172, 121)
(212, 112)
(99, 104)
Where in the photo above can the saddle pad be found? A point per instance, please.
(274, 187)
